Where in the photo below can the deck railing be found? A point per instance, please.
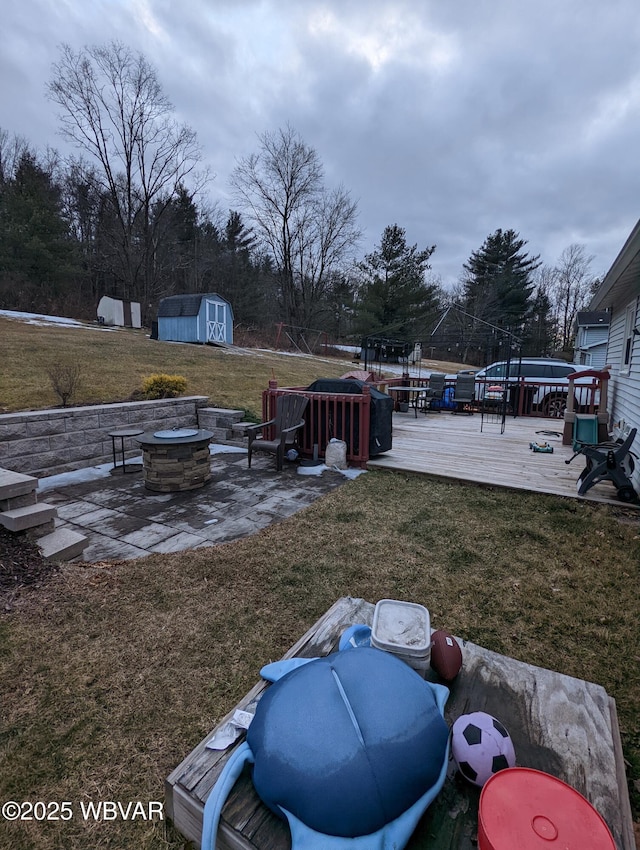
(345, 416)
(527, 398)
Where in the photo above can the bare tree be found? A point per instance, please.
(12, 149)
(306, 229)
(571, 286)
(113, 108)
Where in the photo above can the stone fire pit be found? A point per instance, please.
(175, 460)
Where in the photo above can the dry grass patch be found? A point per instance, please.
(115, 363)
(112, 673)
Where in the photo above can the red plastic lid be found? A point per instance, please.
(531, 810)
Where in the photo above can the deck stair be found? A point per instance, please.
(20, 512)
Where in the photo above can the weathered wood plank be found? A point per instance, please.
(189, 784)
(454, 447)
(558, 724)
(628, 838)
(564, 726)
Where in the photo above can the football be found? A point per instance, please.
(481, 746)
(446, 655)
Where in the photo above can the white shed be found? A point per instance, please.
(123, 314)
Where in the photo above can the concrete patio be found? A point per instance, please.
(124, 520)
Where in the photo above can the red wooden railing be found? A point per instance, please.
(346, 416)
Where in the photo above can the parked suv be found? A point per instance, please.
(550, 397)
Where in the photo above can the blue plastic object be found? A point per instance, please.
(354, 636)
(350, 749)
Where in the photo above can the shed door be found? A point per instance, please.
(216, 321)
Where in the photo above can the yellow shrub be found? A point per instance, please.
(163, 386)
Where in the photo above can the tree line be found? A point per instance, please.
(127, 215)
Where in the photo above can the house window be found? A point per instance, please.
(627, 342)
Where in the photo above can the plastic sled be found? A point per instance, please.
(350, 749)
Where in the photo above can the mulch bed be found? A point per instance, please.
(21, 565)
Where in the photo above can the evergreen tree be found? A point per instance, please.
(498, 284)
(82, 203)
(395, 298)
(540, 333)
(38, 263)
(239, 278)
(176, 246)
(340, 306)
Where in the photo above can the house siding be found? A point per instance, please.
(619, 294)
(624, 389)
(598, 356)
(591, 346)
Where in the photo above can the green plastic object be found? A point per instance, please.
(585, 430)
(541, 447)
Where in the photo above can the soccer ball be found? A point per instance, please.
(481, 746)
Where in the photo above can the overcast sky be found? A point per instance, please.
(451, 118)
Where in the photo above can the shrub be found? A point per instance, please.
(163, 386)
(65, 377)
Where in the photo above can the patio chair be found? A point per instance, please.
(464, 393)
(435, 391)
(288, 420)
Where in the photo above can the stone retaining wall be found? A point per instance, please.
(47, 442)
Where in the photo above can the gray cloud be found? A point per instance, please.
(451, 119)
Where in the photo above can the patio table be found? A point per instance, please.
(561, 725)
(122, 434)
(414, 393)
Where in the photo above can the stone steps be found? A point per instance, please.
(20, 511)
(63, 544)
(220, 422)
(13, 486)
(19, 519)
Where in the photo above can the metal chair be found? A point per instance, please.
(464, 393)
(288, 420)
(435, 391)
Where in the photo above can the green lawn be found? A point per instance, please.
(111, 673)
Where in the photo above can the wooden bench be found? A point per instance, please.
(564, 726)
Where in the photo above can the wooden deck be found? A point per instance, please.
(564, 726)
(454, 446)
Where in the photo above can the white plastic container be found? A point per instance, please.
(335, 454)
(404, 629)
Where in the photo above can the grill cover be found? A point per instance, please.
(379, 422)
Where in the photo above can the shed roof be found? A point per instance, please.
(185, 305)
